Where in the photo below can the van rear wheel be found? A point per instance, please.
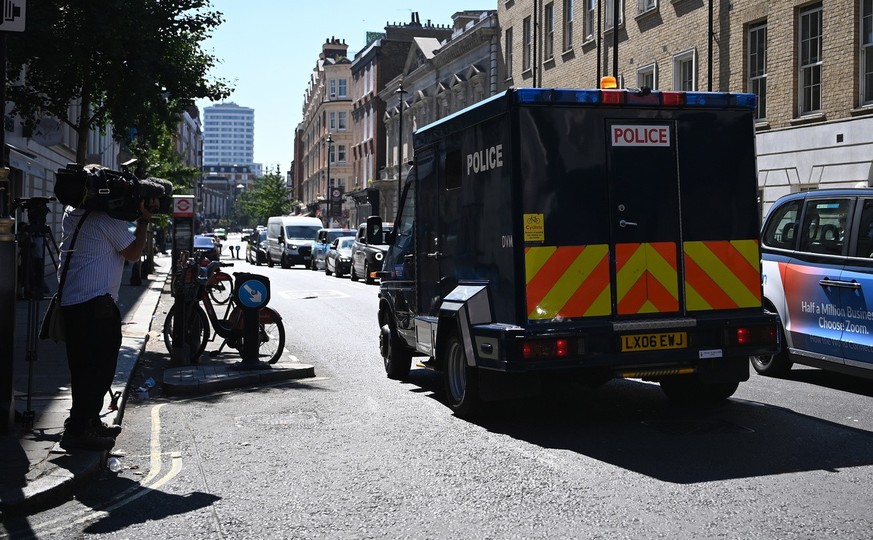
(461, 380)
(397, 358)
(689, 390)
(773, 365)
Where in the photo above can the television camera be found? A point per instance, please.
(118, 193)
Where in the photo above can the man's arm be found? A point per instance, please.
(133, 252)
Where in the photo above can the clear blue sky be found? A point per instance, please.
(268, 48)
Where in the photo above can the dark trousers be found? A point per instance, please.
(93, 334)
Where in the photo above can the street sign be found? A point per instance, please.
(14, 13)
(253, 293)
(183, 206)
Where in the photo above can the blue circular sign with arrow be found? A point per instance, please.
(253, 294)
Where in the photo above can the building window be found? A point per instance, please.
(758, 66)
(330, 153)
(332, 120)
(343, 88)
(867, 52)
(508, 54)
(590, 21)
(332, 88)
(608, 15)
(810, 60)
(568, 25)
(684, 71)
(526, 44)
(646, 5)
(549, 23)
(342, 121)
(647, 77)
(341, 153)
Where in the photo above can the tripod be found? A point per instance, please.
(34, 240)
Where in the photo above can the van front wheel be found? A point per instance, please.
(461, 380)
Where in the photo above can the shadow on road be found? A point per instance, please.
(630, 424)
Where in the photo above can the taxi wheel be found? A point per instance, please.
(689, 390)
(461, 380)
(367, 277)
(773, 365)
(269, 260)
(352, 274)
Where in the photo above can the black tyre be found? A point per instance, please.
(326, 268)
(773, 365)
(269, 260)
(689, 390)
(397, 358)
(196, 330)
(352, 274)
(313, 266)
(272, 336)
(220, 291)
(284, 262)
(461, 380)
(367, 277)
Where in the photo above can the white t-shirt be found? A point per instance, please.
(97, 263)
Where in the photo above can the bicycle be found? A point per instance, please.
(192, 283)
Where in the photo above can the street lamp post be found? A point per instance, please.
(400, 92)
(329, 142)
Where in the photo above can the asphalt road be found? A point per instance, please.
(351, 454)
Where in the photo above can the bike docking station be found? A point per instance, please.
(252, 292)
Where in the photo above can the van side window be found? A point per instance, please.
(824, 226)
(864, 238)
(782, 227)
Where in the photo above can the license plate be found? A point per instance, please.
(654, 342)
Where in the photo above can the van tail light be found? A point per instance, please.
(543, 349)
(752, 335)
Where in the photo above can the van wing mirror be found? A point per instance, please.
(374, 230)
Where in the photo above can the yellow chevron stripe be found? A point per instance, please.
(662, 270)
(721, 274)
(535, 258)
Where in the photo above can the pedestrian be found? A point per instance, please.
(161, 240)
(91, 317)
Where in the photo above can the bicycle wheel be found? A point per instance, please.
(197, 330)
(271, 334)
(220, 288)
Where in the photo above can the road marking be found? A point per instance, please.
(312, 294)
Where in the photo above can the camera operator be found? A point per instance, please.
(91, 317)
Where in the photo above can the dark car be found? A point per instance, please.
(256, 247)
(208, 246)
(339, 256)
(368, 253)
(323, 241)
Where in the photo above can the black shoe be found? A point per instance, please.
(103, 429)
(86, 440)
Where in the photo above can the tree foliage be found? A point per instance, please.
(135, 63)
(269, 196)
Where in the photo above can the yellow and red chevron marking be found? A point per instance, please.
(567, 281)
(722, 274)
(646, 280)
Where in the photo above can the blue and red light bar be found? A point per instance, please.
(655, 98)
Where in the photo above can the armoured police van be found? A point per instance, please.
(590, 233)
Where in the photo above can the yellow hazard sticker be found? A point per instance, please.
(534, 228)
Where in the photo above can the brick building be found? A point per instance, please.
(811, 64)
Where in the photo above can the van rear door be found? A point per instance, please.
(644, 216)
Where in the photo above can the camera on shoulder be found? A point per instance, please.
(118, 193)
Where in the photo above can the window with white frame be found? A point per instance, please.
(342, 123)
(685, 71)
(332, 120)
(590, 22)
(757, 61)
(647, 77)
(343, 88)
(526, 44)
(507, 56)
(866, 52)
(331, 148)
(608, 16)
(568, 25)
(332, 86)
(341, 153)
(810, 60)
(549, 23)
(646, 5)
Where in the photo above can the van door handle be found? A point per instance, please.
(435, 255)
(828, 282)
(624, 223)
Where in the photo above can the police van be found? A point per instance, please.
(590, 233)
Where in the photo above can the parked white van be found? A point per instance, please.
(290, 239)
